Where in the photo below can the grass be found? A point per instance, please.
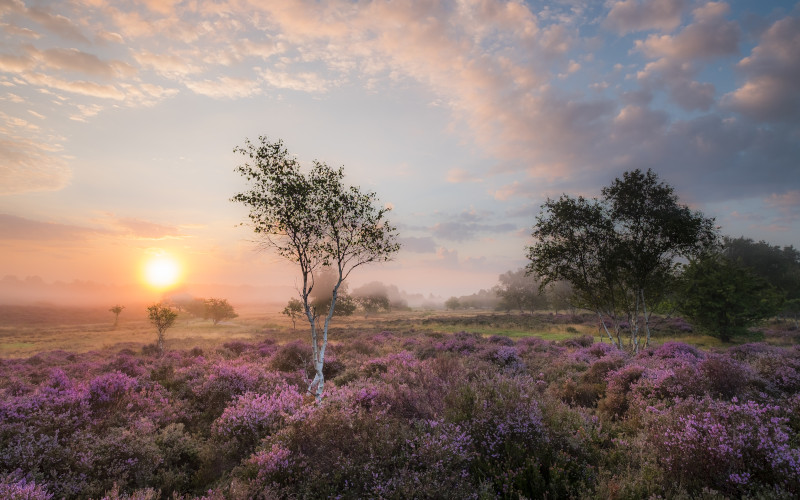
(24, 334)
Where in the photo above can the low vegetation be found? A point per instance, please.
(418, 405)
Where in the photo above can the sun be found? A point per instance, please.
(162, 271)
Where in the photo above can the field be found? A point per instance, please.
(419, 404)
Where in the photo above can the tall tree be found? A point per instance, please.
(620, 252)
(314, 220)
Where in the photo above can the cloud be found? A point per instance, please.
(29, 166)
(459, 175)
(417, 244)
(709, 37)
(639, 15)
(13, 227)
(771, 92)
(78, 61)
(142, 229)
(225, 88)
(302, 81)
(787, 205)
(464, 231)
(56, 23)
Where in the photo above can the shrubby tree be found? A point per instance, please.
(293, 310)
(321, 298)
(162, 317)
(218, 310)
(778, 266)
(520, 290)
(723, 298)
(373, 298)
(316, 221)
(373, 304)
(117, 309)
(620, 252)
(452, 303)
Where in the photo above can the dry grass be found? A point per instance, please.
(27, 331)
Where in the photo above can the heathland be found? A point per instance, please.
(418, 404)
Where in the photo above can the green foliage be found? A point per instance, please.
(619, 252)
(724, 298)
(162, 317)
(778, 266)
(217, 310)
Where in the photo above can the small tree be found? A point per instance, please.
(217, 310)
(162, 317)
(452, 303)
(314, 220)
(519, 290)
(294, 309)
(723, 298)
(372, 304)
(117, 309)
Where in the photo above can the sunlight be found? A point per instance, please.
(162, 271)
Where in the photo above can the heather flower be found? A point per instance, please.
(726, 445)
(254, 416)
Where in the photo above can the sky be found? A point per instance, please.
(118, 121)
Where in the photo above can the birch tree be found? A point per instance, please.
(620, 253)
(316, 221)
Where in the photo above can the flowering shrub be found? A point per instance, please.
(411, 415)
(20, 489)
(727, 445)
(254, 416)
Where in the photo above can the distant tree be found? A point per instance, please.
(218, 310)
(374, 297)
(117, 309)
(452, 303)
(482, 299)
(314, 220)
(162, 317)
(373, 304)
(779, 266)
(522, 291)
(561, 297)
(293, 310)
(723, 298)
(619, 253)
(321, 298)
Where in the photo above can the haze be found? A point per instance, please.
(117, 124)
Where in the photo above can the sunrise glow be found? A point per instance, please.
(162, 271)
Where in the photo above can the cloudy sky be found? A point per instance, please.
(118, 121)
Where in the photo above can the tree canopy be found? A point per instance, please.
(724, 298)
(619, 252)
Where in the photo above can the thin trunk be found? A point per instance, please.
(633, 324)
(646, 321)
(602, 322)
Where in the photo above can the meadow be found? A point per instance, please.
(419, 404)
